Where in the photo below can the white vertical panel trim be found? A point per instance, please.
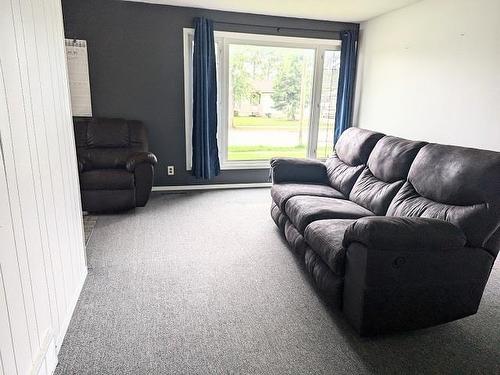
(42, 269)
(73, 165)
(79, 249)
(7, 352)
(49, 218)
(80, 270)
(45, 354)
(55, 157)
(71, 134)
(30, 192)
(65, 126)
(48, 191)
(66, 254)
(33, 75)
(8, 365)
(2, 370)
(18, 321)
(60, 130)
(13, 88)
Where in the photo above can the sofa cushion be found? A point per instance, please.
(355, 145)
(329, 283)
(294, 238)
(325, 238)
(351, 154)
(470, 218)
(387, 167)
(458, 184)
(392, 157)
(107, 179)
(374, 194)
(278, 216)
(281, 193)
(303, 210)
(341, 175)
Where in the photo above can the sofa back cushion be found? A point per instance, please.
(351, 154)
(107, 143)
(457, 184)
(387, 168)
(392, 158)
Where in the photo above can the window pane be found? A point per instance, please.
(269, 107)
(328, 103)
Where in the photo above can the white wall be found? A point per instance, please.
(431, 71)
(42, 258)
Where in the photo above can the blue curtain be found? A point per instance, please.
(345, 92)
(205, 151)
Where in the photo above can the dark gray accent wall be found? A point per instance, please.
(137, 68)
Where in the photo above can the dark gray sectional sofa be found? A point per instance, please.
(398, 234)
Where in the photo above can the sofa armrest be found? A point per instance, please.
(83, 164)
(404, 273)
(298, 170)
(139, 158)
(404, 233)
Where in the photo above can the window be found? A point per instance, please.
(328, 103)
(276, 97)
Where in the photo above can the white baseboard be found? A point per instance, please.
(212, 186)
(65, 324)
(45, 361)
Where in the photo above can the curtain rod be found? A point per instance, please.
(277, 28)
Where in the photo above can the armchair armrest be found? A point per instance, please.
(298, 170)
(83, 164)
(139, 158)
(404, 233)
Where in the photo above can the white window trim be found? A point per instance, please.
(223, 40)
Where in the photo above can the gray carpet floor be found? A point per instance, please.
(202, 283)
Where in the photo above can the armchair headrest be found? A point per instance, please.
(110, 133)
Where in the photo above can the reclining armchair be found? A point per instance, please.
(115, 168)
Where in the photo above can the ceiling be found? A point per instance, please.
(332, 10)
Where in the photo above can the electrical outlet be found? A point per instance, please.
(170, 170)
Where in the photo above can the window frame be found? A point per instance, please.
(223, 39)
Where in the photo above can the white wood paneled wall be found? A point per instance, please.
(42, 256)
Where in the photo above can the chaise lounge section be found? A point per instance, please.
(399, 234)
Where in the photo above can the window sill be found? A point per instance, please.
(245, 165)
(227, 166)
